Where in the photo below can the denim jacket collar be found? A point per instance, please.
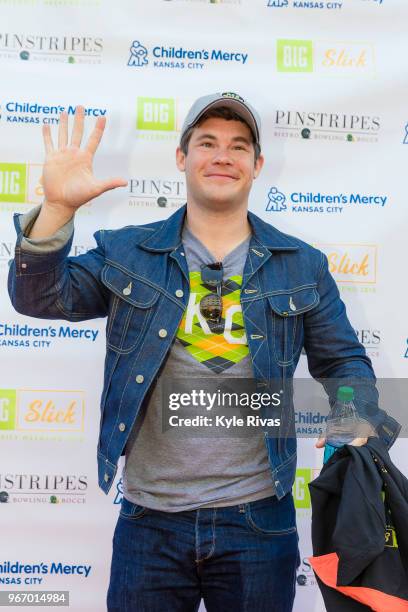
(167, 237)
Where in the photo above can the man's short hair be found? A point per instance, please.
(222, 112)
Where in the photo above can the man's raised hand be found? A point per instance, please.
(68, 179)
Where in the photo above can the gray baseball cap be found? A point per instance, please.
(231, 100)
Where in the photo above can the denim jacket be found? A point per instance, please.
(138, 277)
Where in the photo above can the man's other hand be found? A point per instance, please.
(356, 442)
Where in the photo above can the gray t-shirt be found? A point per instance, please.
(174, 473)
(173, 470)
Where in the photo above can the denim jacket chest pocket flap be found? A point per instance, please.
(287, 307)
(130, 308)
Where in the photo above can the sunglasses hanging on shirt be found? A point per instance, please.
(211, 304)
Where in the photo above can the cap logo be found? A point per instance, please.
(234, 96)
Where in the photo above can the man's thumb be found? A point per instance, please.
(112, 183)
(321, 442)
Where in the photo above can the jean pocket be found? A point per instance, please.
(271, 517)
(129, 510)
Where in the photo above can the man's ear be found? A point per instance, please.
(258, 165)
(180, 159)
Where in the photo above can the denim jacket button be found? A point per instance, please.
(106, 477)
(179, 293)
(127, 290)
(162, 333)
(122, 427)
(139, 378)
(24, 265)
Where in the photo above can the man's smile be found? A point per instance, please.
(219, 175)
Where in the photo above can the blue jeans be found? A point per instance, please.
(237, 558)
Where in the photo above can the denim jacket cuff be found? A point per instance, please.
(43, 245)
(386, 427)
(388, 430)
(41, 259)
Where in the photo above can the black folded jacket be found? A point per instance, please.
(360, 530)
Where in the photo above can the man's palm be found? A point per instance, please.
(68, 178)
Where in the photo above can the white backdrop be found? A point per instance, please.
(329, 80)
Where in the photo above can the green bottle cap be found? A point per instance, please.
(345, 394)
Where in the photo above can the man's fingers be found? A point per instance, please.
(359, 441)
(96, 135)
(356, 442)
(78, 129)
(49, 147)
(63, 130)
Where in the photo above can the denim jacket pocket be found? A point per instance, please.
(288, 307)
(131, 308)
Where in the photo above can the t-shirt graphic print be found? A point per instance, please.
(218, 346)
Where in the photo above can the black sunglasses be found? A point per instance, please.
(211, 304)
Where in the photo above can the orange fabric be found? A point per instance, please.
(326, 566)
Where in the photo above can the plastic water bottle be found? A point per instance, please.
(343, 423)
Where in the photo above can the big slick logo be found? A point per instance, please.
(301, 494)
(317, 202)
(21, 184)
(27, 412)
(177, 57)
(43, 488)
(353, 266)
(156, 118)
(352, 263)
(327, 126)
(326, 58)
(155, 192)
(42, 48)
(13, 183)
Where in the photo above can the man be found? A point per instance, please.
(211, 292)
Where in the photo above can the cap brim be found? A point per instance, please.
(241, 109)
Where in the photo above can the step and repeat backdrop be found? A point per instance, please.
(330, 82)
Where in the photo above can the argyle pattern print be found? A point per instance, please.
(216, 346)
